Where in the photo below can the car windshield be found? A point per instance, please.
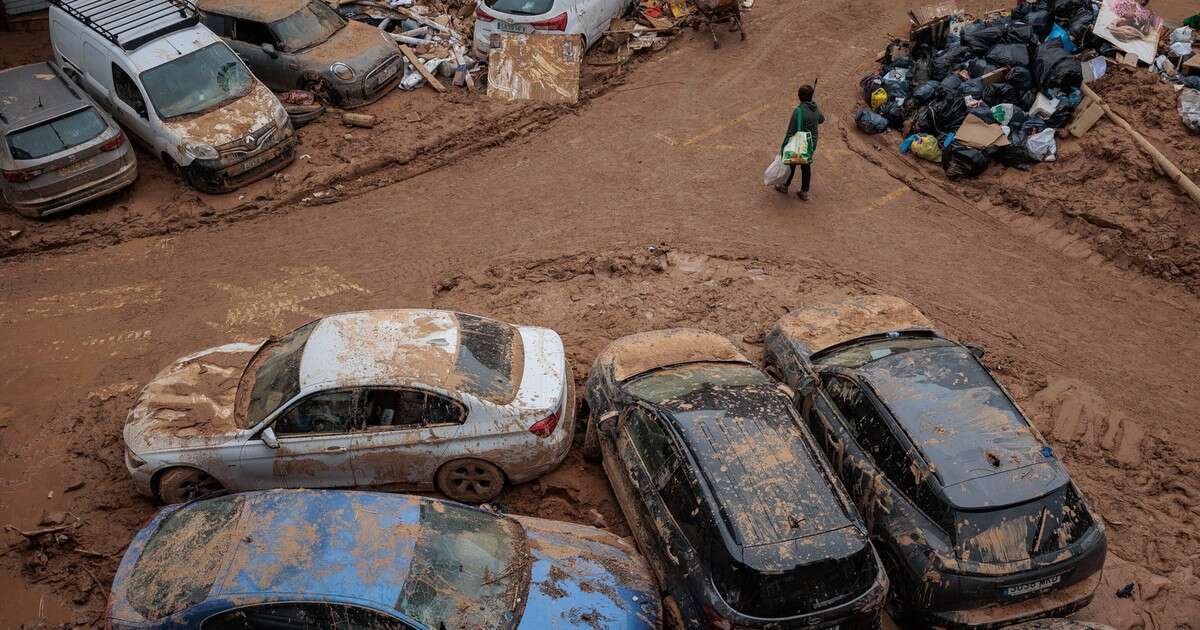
(681, 380)
(183, 557)
(858, 355)
(273, 377)
(470, 569)
(197, 81)
(307, 27)
(520, 7)
(56, 135)
(491, 358)
(1024, 531)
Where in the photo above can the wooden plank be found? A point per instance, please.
(1086, 119)
(412, 58)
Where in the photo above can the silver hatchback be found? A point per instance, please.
(59, 149)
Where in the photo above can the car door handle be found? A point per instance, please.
(335, 449)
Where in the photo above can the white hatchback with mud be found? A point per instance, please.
(412, 399)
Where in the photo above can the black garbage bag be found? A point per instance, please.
(1015, 154)
(1040, 21)
(1021, 34)
(1020, 78)
(1002, 92)
(960, 161)
(981, 37)
(1064, 9)
(951, 84)
(1061, 116)
(1055, 68)
(897, 84)
(973, 88)
(870, 122)
(869, 84)
(948, 61)
(941, 116)
(1009, 55)
(980, 67)
(1080, 25)
(925, 92)
(895, 113)
(983, 113)
(1023, 9)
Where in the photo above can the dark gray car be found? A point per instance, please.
(59, 149)
(304, 44)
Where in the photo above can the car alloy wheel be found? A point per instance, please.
(180, 485)
(470, 480)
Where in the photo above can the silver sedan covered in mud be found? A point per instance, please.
(416, 399)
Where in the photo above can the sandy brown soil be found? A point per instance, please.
(642, 212)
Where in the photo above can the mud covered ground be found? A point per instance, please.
(643, 211)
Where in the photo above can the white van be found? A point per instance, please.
(175, 87)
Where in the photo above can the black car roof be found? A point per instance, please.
(34, 93)
(964, 425)
(757, 463)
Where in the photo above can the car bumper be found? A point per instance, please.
(1057, 603)
(373, 87)
(142, 476)
(62, 202)
(211, 178)
(864, 612)
(552, 450)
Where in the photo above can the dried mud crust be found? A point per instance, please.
(417, 132)
(1139, 479)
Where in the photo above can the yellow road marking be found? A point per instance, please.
(892, 196)
(723, 126)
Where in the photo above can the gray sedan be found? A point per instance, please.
(291, 44)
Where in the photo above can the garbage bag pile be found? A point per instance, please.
(439, 33)
(1020, 71)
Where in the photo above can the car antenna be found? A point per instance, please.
(39, 102)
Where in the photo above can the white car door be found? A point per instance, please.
(314, 445)
(405, 436)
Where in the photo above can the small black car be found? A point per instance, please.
(977, 522)
(742, 519)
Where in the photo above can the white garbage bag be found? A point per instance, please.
(1042, 147)
(776, 174)
(1189, 108)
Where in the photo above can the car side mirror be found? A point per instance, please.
(268, 438)
(270, 50)
(975, 349)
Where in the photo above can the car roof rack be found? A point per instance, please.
(131, 23)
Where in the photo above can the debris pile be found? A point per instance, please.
(969, 91)
(435, 37)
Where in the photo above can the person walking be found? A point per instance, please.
(810, 117)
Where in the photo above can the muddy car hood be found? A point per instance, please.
(190, 403)
(357, 45)
(229, 122)
(582, 572)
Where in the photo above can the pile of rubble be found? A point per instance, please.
(969, 91)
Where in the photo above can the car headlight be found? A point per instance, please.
(280, 116)
(200, 150)
(342, 71)
(134, 460)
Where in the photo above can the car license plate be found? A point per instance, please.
(256, 161)
(511, 28)
(386, 74)
(1032, 587)
(78, 167)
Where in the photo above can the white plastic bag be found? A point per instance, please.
(776, 174)
(1189, 108)
(1042, 147)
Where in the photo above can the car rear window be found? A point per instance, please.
(491, 358)
(682, 380)
(183, 557)
(56, 135)
(1024, 531)
(470, 569)
(520, 7)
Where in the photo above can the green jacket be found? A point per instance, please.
(812, 117)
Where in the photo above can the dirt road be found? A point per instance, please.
(645, 210)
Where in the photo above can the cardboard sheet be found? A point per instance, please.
(980, 135)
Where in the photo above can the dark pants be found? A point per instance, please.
(805, 176)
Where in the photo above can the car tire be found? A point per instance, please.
(178, 485)
(672, 617)
(470, 480)
(591, 442)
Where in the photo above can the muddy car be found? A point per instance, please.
(741, 518)
(974, 516)
(334, 559)
(58, 149)
(304, 44)
(416, 399)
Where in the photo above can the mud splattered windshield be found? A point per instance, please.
(273, 377)
(182, 559)
(470, 570)
(307, 27)
(197, 81)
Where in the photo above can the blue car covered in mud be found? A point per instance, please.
(367, 560)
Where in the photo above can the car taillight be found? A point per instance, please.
(20, 177)
(717, 622)
(554, 24)
(114, 143)
(545, 426)
(480, 15)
